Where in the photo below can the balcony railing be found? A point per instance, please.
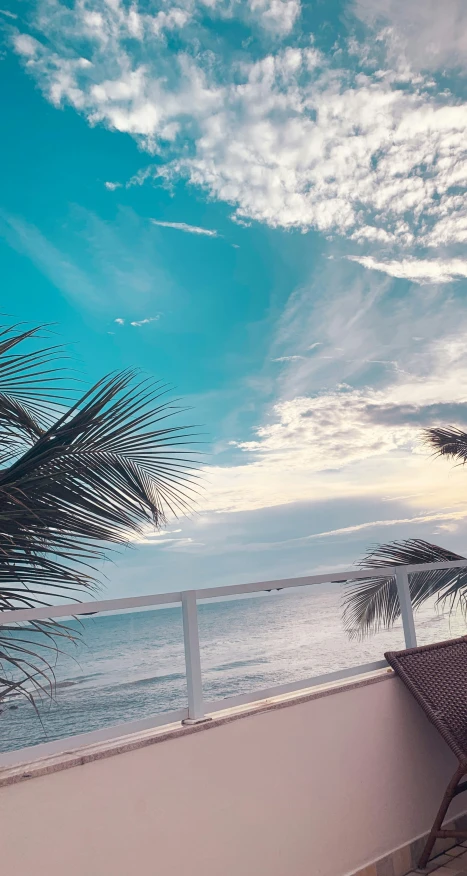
(198, 708)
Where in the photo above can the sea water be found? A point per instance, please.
(129, 666)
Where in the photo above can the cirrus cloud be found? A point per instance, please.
(145, 321)
(183, 226)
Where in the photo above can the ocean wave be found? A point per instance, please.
(142, 682)
(238, 664)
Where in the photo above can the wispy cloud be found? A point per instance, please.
(145, 321)
(183, 226)
(287, 358)
(168, 539)
(63, 272)
(325, 436)
(8, 13)
(150, 536)
(100, 261)
(422, 518)
(119, 320)
(421, 271)
(111, 186)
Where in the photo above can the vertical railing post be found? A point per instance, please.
(405, 602)
(192, 657)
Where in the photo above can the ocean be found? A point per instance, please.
(130, 666)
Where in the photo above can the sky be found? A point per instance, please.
(261, 203)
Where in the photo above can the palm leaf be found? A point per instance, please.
(373, 604)
(448, 441)
(31, 389)
(77, 479)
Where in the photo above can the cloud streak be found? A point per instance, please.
(183, 226)
(412, 521)
(145, 321)
(287, 358)
(421, 271)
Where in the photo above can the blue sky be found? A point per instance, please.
(262, 203)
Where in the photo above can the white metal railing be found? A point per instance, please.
(198, 708)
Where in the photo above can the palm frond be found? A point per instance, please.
(373, 604)
(32, 389)
(448, 441)
(74, 481)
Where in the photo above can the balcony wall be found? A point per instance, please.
(315, 786)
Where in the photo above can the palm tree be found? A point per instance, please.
(373, 604)
(77, 474)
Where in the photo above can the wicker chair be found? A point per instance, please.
(436, 675)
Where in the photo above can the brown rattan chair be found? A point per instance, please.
(436, 675)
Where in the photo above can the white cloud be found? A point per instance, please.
(145, 321)
(294, 140)
(119, 321)
(8, 13)
(418, 270)
(25, 45)
(183, 226)
(327, 149)
(329, 430)
(330, 447)
(111, 186)
(363, 438)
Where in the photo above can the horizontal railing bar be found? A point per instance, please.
(324, 578)
(128, 602)
(293, 686)
(285, 583)
(71, 609)
(70, 743)
(75, 609)
(427, 567)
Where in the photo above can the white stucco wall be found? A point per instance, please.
(315, 789)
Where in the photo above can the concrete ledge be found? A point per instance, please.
(87, 754)
(329, 781)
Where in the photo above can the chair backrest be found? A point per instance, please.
(436, 675)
